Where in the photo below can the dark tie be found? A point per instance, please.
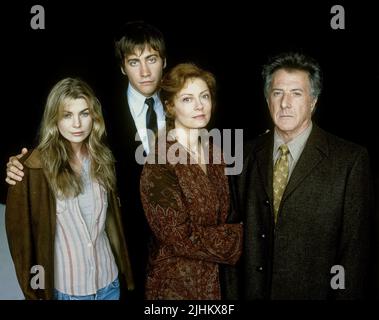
(151, 116)
(151, 120)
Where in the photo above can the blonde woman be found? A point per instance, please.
(63, 219)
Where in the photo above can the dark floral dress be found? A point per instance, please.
(187, 209)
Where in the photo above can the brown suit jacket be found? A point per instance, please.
(323, 221)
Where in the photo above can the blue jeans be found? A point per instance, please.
(110, 292)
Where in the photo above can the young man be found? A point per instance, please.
(141, 53)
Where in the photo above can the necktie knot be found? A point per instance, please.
(284, 149)
(150, 102)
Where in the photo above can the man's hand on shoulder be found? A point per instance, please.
(15, 168)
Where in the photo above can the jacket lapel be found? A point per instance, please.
(315, 150)
(124, 132)
(127, 122)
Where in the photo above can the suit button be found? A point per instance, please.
(263, 236)
(260, 268)
(267, 203)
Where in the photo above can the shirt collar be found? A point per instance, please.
(296, 145)
(137, 100)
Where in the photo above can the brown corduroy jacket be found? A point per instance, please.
(30, 224)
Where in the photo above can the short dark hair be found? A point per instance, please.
(136, 35)
(293, 61)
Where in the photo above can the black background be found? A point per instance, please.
(231, 39)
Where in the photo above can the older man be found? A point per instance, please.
(304, 195)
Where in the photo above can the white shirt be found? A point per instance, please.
(138, 109)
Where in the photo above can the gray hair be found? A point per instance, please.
(293, 61)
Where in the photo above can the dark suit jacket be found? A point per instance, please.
(374, 249)
(121, 135)
(323, 221)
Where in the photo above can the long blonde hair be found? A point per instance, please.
(56, 151)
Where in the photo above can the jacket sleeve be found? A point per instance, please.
(354, 242)
(19, 232)
(165, 209)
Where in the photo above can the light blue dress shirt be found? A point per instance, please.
(138, 109)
